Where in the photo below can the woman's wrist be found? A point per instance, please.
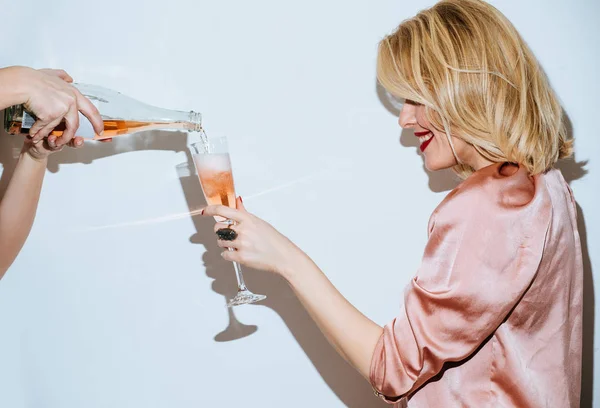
(14, 86)
(29, 154)
(296, 264)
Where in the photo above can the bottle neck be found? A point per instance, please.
(158, 118)
(195, 121)
(114, 105)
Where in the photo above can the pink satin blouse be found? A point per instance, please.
(493, 316)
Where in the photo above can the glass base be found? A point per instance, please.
(245, 297)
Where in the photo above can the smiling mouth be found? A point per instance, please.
(424, 139)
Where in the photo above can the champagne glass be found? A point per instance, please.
(213, 165)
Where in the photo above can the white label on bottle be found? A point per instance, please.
(85, 130)
(28, 121)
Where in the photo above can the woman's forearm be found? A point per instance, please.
(50, 98)
(18, 207)
(352, 334)
(261, 246)
(12, 86)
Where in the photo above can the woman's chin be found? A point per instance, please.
(432, 165)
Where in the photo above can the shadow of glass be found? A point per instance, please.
(342, 379)
(214, 264)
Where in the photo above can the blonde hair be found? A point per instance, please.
(479, 81)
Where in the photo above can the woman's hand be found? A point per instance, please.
(41, 150)
(261, 246)
(258, 245)
(51, 98)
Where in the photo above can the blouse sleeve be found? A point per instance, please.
(483, 252)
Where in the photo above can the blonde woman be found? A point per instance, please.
(492, 317)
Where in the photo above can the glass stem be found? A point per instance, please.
(238, 275)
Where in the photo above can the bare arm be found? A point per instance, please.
(19, 204)
(353, 335)
(47, 94)
(12, 87)
(18, 207)
(260, 246)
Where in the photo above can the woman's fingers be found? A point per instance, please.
(52, 99)
(61, 73)
(232, 256)
(44, 132)
(71, 126)
(225, 212)
(35, 129)
(76, 142)
(228, 244)
(87, 108)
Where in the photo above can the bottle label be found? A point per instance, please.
(28, 120)
(85, 130)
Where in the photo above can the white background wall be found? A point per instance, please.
(107, 306)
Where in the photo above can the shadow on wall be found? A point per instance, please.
(342, 379)
(10, 146)
(572, 170)
(215, 265)
(345, 382)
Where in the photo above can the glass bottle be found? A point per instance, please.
(122, 115)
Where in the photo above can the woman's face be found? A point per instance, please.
(434, 144)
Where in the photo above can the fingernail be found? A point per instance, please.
(241, 199)
(202, 212)
(79, 142)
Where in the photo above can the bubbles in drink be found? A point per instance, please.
(214, 171)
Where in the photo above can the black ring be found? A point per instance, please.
(227, 234)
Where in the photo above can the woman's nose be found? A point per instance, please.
(407, 118)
